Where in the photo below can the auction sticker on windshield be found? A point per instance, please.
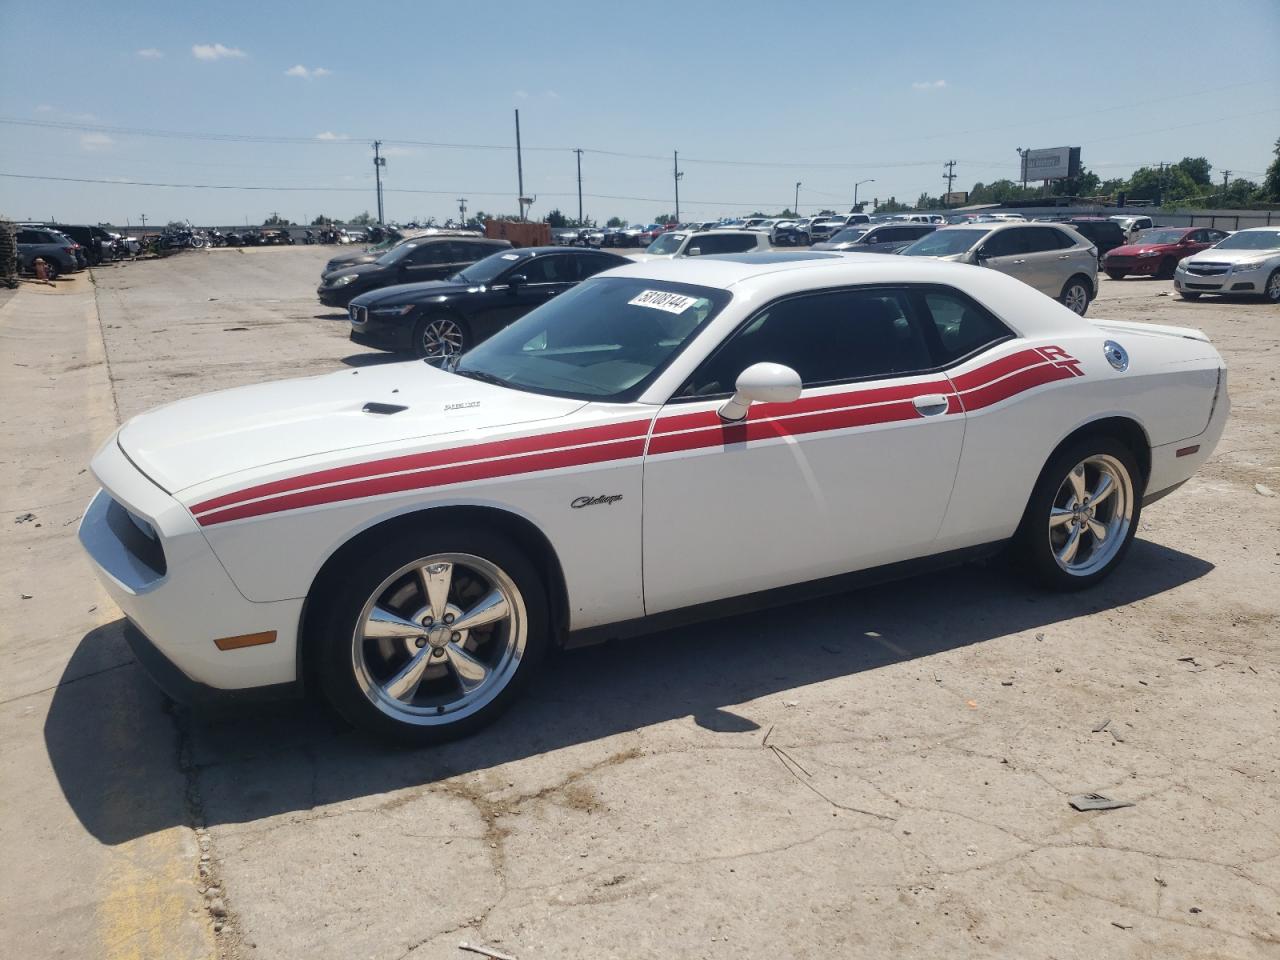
(662, 300)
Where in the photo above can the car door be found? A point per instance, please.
(854, 474)
(1048, 262)
(1006, 250)
(427, 261)
(538, 279)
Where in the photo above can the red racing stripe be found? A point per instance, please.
(425, 479)
(996, 369)
(724, 434)
(992, 393)
(417, 461)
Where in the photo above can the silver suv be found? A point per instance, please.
(1051, 257)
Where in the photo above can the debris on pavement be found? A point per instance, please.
(484, 951)
(1263, 489)
(1102, 726)
(24, 518)
(1096, 801)
(1118, 736)
(1006, 683)
(1122, 926)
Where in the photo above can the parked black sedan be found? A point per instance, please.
(427, 258)
(876, 238)
(442, 319)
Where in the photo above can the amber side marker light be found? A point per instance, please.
(1187, 451)
(245, 640)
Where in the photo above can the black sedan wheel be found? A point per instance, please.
(440, 338)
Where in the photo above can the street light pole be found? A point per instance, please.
(855, 191)
(675, 169)
(796, 208)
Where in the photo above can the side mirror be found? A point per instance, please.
(693, 252)
(516, 281)
(979, 257)
(761, 383)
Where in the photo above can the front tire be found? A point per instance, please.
(1166, 270)
(1188, 295)
(1082, 514)
(440, 337)
(431, 635)
(1115, 274)
(1075, 295)
(1272, 289)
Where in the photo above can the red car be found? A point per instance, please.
(1156, 252)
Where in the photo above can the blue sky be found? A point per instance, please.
(754, 95)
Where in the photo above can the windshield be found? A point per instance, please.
(606, 339)
(1251, 240)
(944, 243)
(396, 254)
(488, 269)
(667, 243)
(1158, 236)
(850, 235)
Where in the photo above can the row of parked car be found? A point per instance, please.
(69, 248)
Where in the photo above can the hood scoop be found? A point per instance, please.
(386, 409)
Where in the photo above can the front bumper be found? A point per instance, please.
(368, 330)
(176, 591)
(1242, 281)
(1142, 266)
(336, 296)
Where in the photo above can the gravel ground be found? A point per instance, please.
(888, 779)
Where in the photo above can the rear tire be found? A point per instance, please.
(1075, 295)
(1082, 514)
(397, 667)
(1272, 290)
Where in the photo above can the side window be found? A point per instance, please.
(589, 266)
(742, 244)
(918, 232)
(1004, 243)
(826, 338)
(710, 245)
(549, 270)
(27, 236)
(1042, 239)
(430, 253)
(963, 326)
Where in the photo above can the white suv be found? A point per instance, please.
(1051, 257)
(1247, 262)
(704, 243)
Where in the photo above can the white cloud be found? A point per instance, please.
(330, 135)
(522, 94)
(216, 51)
(298, 70)
(150, 53)
(44, 108)
(929, 85)
(94, 142)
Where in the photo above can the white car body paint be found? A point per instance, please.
(251, 490)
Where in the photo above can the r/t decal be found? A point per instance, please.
(1060, 358)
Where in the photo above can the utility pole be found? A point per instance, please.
(855, 194)
(462, 210)
(675, 170)
(519, 166)
(1021, 151)
(1160, 184)
(378, 163)
(949, 176)
(796, 208)
(1226, 177)
(144, 223)
(579, 153)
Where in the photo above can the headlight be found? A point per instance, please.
(1246, 266)
(343, 281)
(1149, 253)
(392, 311)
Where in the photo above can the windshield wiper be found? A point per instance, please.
(483, 377)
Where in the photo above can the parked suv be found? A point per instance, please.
(1106, 235)
(876, 238)
(95, 241)
(1051, 257)
(678, 243)
(56, 250)
(428, 258)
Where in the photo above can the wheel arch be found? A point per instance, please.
(526, 535)
(1123, 428)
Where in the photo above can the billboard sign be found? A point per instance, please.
(956, 198)
(1054, 163)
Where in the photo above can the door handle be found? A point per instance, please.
(1019, 261)
(1064, 256)
(930, 405)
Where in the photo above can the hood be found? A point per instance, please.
(222, 434)
(350, 260)
(414, 292)
(359, 270)
(1133, 249)
(1214, 255)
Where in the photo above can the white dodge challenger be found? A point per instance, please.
(664, 442)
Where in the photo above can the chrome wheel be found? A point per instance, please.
(1273, 287)
(1090, 516)
(441, 340)
(1076, 298)
(439, 639)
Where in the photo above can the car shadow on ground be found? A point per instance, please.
(101, 731)
(331, 316)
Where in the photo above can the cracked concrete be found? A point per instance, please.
(871, 789)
